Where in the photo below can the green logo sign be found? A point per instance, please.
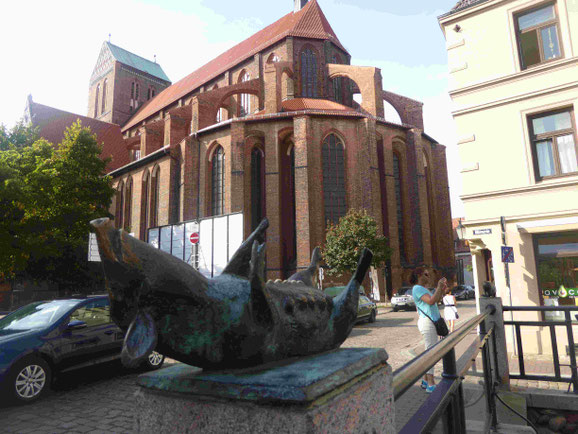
(561, 292)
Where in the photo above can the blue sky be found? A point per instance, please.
(55, 46)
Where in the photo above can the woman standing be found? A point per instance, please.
(450, 309)
(426, 304)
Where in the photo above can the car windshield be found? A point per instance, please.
(403, 291)
(36, 315)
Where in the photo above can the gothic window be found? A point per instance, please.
(333, 178)
(176, 189)
(308, 73)
(96, 100)
(153, 92)
(218, 182)
(245, 97)
(257, 187)
(337, 84)
(128, 205)
(273, 58)
(399, 204)
(104, 96)
(119, 209)
(155, 196)
(144, 206)
(430, 204)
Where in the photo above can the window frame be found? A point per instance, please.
(537, 28)
(534, 138)
(334, 164)
(217, 173)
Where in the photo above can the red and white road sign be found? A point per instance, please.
(194, 238)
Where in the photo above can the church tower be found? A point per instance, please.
(121, 83)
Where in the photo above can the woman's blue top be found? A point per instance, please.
(432, 310)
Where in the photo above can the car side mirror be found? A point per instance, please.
(76, 324)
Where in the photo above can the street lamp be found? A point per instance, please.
(461, 230)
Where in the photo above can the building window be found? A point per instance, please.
(538, 38)
(554, 143)
(257, 187)
(103, 96)
(155, 195)
(399, 205)
(333, 178)
(337, 84)
(557, 265)
(245, 108)
(128, 206)
(218, 182)
(96, 100)
(136, 154)
(150, 93)
(308, 73)
(144, 206)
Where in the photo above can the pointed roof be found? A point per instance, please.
(52, 123)
(309, 22)
(137, 62)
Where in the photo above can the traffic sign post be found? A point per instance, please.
(507, 254)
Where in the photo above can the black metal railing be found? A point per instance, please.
(447, 400)
(567, 323)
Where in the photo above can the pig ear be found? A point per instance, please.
(240, 265)
(140, 340)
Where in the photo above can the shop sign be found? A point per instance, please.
(561, 292)
(482, 231)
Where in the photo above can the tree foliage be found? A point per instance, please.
(348, 237)
(48, 195)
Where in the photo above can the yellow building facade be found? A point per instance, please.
(514, 86)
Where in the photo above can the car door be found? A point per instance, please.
(95, 340)
(364, 307)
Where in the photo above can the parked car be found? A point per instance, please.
(463, 292)
(46, 338)
(366, 309)
(403, 299)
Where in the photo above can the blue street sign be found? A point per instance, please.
(507, 254)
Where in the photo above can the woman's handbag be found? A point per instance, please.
(440, 325)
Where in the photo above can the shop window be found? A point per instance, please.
(333, 179)
(557, 265)
(538, 36)
(553, 137)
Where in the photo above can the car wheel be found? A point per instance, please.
(154, 361)
(395, 308)
(372, 316)
(30, 379)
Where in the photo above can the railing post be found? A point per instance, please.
(571, 350)
(496, 320)
(457, 414)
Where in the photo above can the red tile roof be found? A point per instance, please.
(52, 123)
(309, 22)
(297, 104)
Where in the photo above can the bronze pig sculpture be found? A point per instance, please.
(235, 320)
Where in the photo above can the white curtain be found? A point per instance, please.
(567, 151)
(545, 158)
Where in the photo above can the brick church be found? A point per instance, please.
(282, 126)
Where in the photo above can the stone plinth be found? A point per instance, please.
(346, 390)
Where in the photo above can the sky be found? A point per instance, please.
(49, 49)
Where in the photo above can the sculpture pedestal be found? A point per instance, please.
(346, 390)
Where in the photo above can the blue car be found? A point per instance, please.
(45, 338)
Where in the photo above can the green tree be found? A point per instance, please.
(348, 237)
(52, 193)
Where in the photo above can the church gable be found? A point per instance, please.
(104, 64)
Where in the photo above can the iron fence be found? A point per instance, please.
(567, 323)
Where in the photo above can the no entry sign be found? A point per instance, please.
(194, 238)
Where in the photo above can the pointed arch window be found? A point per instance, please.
(155, 195)
(119, 209)
(245, 108)
(333, 178)
(257, 187)
(337, 84)
(144, 205)
(308, 73)
(218, 182)
(96, 97)
(128, 206)
(430, 206)
(175, 189)
(104, 96)
(399, 205)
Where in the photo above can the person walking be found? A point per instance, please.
(450, 309)
(427, 307)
